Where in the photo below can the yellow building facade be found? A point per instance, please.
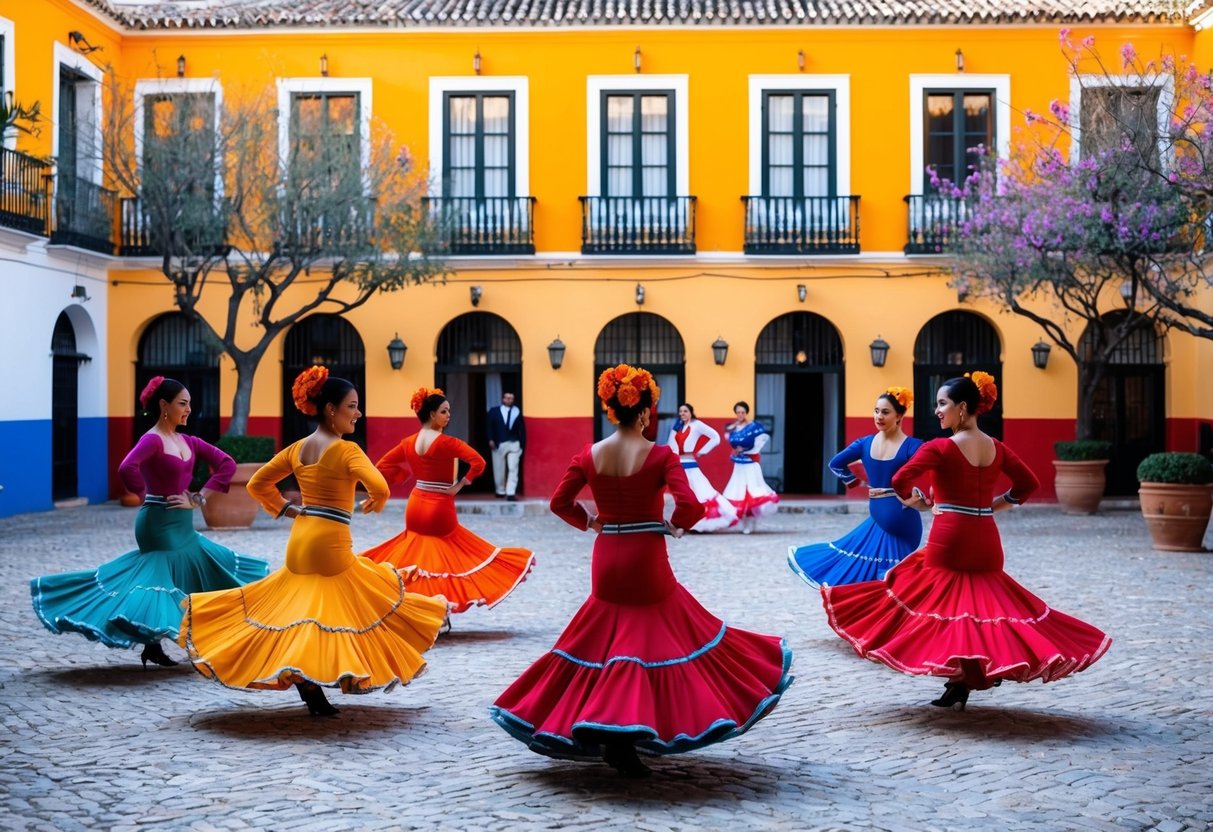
(788, 239)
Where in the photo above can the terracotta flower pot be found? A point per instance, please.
(236, 509)
(1176, 515)
(1079, 485)
(130, 500)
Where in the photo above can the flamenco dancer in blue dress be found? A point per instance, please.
(892, 530)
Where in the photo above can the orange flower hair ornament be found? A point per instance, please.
(903, 395)
(986, 388)
(421, 395)
(622, 386)
(307, 387)
(149, 390)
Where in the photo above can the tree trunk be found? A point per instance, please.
(1090, 373)
(246, 369)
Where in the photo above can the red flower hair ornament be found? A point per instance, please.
(986, 389)
(421, 395)
(307, 387)
(149, 390)
(622, 386)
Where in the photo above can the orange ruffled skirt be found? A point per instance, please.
(326, 617)
(441, 557)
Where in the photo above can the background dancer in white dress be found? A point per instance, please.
(690, 438)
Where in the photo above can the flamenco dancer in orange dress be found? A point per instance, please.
(642, 665)
(440, 556)
(326, 618)
(948, 609)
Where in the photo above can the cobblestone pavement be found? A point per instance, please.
(92, 741)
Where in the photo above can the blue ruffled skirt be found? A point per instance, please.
(866, 553)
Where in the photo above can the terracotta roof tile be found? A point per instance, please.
(217, 14)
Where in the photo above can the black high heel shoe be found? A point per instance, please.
(446, 625)
(955, 695)
(621, 756)
(313, 696)
(155, 654)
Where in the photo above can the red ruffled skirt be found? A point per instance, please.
(927, 619)
(643, 662)
(449, 560)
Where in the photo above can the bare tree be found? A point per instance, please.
(320, 222)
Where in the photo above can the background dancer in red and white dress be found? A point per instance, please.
(747, 490)
(690, 439)
(948, 609)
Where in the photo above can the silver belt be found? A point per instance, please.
(155, 500)
(878, 493)
(430, 485)
(972, 511)
(648, 527)
(327, 512)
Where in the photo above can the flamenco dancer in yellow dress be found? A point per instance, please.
(440, 556)
(327, 618)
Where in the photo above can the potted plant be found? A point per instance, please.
(1176, 499)
(236, 509)
(1079, 477)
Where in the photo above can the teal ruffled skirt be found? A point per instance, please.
(136, 598)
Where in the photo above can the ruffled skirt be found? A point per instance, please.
(345, 623)
(718, 513)
(928, 620)
(866, 553)
(441, 557)
(749, 492)
(136, 598)
(662, 673)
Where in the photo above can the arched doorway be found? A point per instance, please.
(1129, 405)
(175, 346)
(950, 345)
(798, 396)
(650, 341)
(479, 358)
(329, 341)
(65, 410)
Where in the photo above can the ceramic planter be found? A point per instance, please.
(1079, 485)
(236, 509)
(1176, 515)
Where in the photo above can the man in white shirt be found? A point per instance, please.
(507, 438)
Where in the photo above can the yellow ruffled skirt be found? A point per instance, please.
(326, 617)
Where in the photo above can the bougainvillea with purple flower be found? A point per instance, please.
(1095, 226)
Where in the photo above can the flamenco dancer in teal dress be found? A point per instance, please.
(136, 598)
(892, 530)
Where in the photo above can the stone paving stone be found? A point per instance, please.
(93, 741)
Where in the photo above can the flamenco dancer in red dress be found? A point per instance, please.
(642, 666)
(948, 609)
(441, 556)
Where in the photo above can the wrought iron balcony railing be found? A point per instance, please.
(24, 192)
(801, 225)
(84, 215)
(637, 224)
(932, 223)
(138, 235)
(484, 225)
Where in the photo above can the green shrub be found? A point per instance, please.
(1175, 468)
(247, 448)
(1083, 450)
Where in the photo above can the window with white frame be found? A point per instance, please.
(479, 163)
(950, 114)
(1111, 114)
(7, 71)
(799, 196)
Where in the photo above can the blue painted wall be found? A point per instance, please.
(93, 455)
(25, 465)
